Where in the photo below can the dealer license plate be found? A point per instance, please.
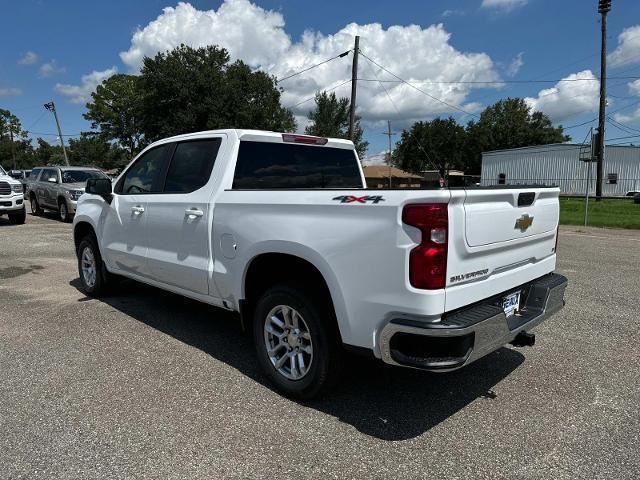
(511, 303)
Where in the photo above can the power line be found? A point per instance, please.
(621, 126)
(326, 90)
(53, 134)
(497, 82)
(399, 114)
(455, 107)
(344, 54)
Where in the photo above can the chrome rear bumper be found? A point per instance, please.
(466, 335)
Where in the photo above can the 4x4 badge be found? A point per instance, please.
(364, 199)
(524, 222)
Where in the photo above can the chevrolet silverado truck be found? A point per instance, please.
(11, 201)
(58, 189)
(282, 229)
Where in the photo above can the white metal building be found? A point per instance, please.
(560, 164)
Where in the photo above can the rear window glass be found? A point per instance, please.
(264, 165)
(191, 165)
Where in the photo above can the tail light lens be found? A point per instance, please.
(428, 261)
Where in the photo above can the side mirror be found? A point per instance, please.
(100, 186)
(52, 180)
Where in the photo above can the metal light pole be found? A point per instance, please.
(52, 108)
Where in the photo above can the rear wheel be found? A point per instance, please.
(63, 209)
(35, 206)
(93, 274)
(296, 346)
(18, 218)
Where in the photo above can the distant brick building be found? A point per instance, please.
(383, 176)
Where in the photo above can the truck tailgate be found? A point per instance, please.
(499, 239)
(495, 216)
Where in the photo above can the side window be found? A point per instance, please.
(191, 165)
(34, 174)
(502, 179)
(144, 174)
(47, 173)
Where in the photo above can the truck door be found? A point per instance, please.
(179, 220)
(124, 239)
(45, 186)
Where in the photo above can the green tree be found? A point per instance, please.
(436, 144)
(115, 111)
(508, 123)
(330, 118)
(47, 154)
(93, 150)
(188, 89)
(20, 146)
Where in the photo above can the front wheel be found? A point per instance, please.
(63, 209)
(18, 218)
(296, 346)
(93, 274)
(35, 206)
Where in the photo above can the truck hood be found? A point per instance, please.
(9, 180)
(75, 186)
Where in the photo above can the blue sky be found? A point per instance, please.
(49, 47)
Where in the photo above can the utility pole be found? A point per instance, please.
(604, 7)
(389, 134)
(354, 87)
(52, 108)
(13, 147)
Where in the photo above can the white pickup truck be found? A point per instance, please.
(11, 201)
(282, 229)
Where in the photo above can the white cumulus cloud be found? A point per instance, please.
(50, 68)
(515, 65)
(249, 32)
(29, 58)
(82, 93)
(569, 97)
(628, 49)
(10, 92)
(422, 56)
(634, 89)
(504, 5)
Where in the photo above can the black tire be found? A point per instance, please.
(100, 284)
(324, 368)
(18, 218)
(35, 205)
(63, 210)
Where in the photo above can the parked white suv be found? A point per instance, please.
(282, 229)
(11, 201)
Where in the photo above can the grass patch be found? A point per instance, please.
(612, 213)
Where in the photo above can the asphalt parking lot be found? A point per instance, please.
(146, 384)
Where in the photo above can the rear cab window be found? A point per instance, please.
(191, 165)
(265, 165)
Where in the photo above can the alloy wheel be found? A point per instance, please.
(288, 342)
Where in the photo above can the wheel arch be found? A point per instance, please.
(80, 230)
(283, 267)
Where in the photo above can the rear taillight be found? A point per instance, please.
(428, 261)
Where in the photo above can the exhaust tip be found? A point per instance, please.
(524, 339)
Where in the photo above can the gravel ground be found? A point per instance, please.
(146, 384)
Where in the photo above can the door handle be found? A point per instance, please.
(194, 212)
(137, 210)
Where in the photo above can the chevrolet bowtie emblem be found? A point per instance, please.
(524, 222)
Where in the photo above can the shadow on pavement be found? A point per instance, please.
(389, 403)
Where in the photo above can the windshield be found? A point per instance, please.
(80, 176)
